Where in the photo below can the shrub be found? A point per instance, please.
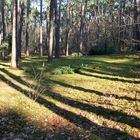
(78, 68)
(63, 70)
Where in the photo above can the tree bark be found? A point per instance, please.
(136, 27)
(14, 37)
(82, 24)
(67, 28)
(0, 22)
(41, 30)
(52, 27)
(27, 29)
(20, 27)
(3, 19)
(57, 29)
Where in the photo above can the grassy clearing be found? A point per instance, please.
(100, 101)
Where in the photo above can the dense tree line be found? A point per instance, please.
(61, 27)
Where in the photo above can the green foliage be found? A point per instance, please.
(80, 67)
(63, 70)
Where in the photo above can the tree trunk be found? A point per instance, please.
(3, 19)
(35, 35)
(67, 28)
(0, 22)
(82, 24)
(27, 28)
(52, 27)
(41, 30)
(14, 37)
(57, 30)
(20, 27)
(136, 28)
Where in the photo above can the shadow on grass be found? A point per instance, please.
(124, 70)
(15, 126)
(18, 79)
(79, 120)
(123, 118)
(93, 91)
(5, 65)
(108, 78)
(117, 116)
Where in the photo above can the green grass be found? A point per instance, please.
(99, 101)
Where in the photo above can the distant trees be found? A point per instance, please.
(56, 27)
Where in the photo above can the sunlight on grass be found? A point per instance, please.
(99, 100)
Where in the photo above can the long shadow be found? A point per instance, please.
(104, 112)
(94, 91)
(18, 79)
(14, 125)
(83, 122)
(106, 67)
(78, 120)
(109, 78)
(5, 65)
(98, 110)
(104, 73)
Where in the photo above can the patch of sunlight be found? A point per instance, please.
(119, 60)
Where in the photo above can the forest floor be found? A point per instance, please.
(100, 101)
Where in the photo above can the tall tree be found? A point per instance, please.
(20, 27)
(41, 30)
(52, 27)
(67, 27)
(35, 14)
(3, 18)
(57, 27)
(27, 28)
(0, 22)
(14, 36)
(82, 23)
(136, 26)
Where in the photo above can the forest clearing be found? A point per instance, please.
(69, 70)
(97, 101)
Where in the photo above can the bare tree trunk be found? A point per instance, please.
(52, 27)
(67, 42)
(14, 37)
(41, 30)
(82, 24)
(20, 27)
(136, 28)
(35, 35)
(3, 19)
(67, 28)
(57, 30)
(0, 22)
(47, 31)
(27, 28)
